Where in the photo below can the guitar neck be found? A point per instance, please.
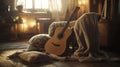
(65, 27)
(71, 17)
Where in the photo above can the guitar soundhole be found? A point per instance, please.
(60, 36)
(55, 44)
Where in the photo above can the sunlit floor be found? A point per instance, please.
(63, 63)
(5, 53)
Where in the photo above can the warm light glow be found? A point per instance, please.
(82, 2)
(28, 24)
(79, 3)
(24, 20)
(32, 24)
(24, 27)
(84, 6)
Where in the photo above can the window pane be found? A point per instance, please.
(28, 4)
(41, 4)
(20, 2)
(37, 4)
(32, 4)
(44, 4)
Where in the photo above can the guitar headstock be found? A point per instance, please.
(74, 13)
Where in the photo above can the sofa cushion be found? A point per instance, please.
(37, 42)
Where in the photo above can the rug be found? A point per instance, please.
(13, 45)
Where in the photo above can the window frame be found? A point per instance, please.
(33, 9)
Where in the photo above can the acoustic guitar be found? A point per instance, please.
(57, 44)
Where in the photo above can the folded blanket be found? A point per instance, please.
(87, 34)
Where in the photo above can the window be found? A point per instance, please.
(33, 5)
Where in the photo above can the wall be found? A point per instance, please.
(114, 32)
(113, 29)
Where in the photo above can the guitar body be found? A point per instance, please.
(57, 45)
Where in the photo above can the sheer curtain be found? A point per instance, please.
(60, 9)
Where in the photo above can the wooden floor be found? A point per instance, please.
(5, 53)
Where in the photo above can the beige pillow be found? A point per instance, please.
(30, 56)
(5, 62)
(34, 56)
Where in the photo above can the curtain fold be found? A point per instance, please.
(60, 9)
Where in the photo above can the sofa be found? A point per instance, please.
(37, 42)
